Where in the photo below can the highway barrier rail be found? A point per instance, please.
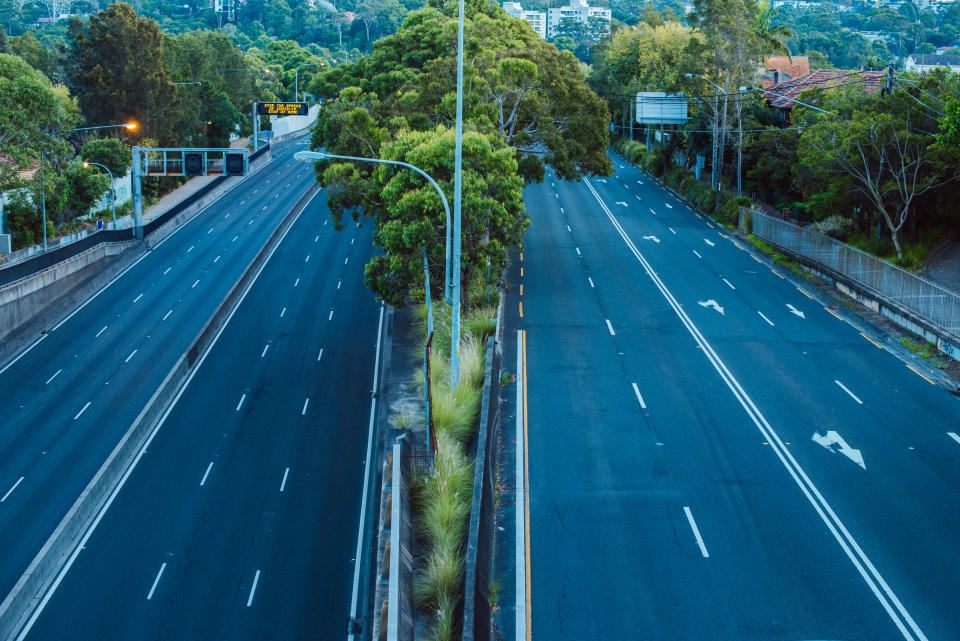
(67, 539)
(480, 538)
(39, 262)
(916, 295)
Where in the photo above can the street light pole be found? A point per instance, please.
(457, 211)
(43, 191)
(113, 190)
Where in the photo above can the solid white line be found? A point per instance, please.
(264, 209)
(253, 588)
(240, 403)
(339, 282)
(591, 281)
(82, 411)
(320, 355)
(235, 239)
(672, 231)
(190, 250)
(106, 506)
(858, 558)
(166, 270)
(345, 260)
(316, 239)
(636, 391)
(651, 211)
(10, 491)
(639, 198)
(325, 223)
(568, 228)
(844, 388)
(578, 251)
(765, 318)
(265, 348)
(250, 222)
(194, 283)
(101, 331)
(163, 567)
(520, 504)
(366, 477)
(217, 258)
(728, 283)
(697, 253)
(53, 377)
(561, 210)
(207, 473)
(696, 532)
(138, 298)
(283, 483)
(283, 311)
(351, 240)
(330, 317)
(167, 315)
(303, 412)
(610, 327)
(131, 356)
(954, 436)
(296, 282)
(307, 259)
(210, 231)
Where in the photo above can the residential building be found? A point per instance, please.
(779, 69)
(921, 62)
(577, 10)
(782, 97)
(537, 19)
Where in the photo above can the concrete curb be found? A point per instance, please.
(35, 584)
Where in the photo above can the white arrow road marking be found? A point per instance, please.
(621, 203)
(709, 242)
(794, 310)
(653, 238)
(602, 180)
(831, 439)
(954, 436)
(669, 206)
(712, 304)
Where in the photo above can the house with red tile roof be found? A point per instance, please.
(779, 69)
(783, 96)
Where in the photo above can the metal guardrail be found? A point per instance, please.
(925, 298)
(39, 262)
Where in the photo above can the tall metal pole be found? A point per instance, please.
(43, 200)
(113, 189)
(256, 127)
(137, 192)
(296, 84)
(457, 211)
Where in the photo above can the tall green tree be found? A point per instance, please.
(119, 76)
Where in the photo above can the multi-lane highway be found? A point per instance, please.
(714, 453)
(240, 520)
(69, 398)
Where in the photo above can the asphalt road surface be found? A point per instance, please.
(68, 399)
(713, 452)
(240, 520)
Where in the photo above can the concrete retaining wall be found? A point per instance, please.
(67, 538)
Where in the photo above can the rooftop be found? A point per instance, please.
(823, 79)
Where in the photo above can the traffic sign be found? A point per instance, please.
(282, 109)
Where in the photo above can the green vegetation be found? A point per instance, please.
(926, 350)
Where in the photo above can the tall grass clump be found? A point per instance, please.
(443, 496)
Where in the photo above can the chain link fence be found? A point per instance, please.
(925, 298)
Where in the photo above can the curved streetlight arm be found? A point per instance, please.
(113, 189)
(307, 156)
(296, 78)
(702, 77)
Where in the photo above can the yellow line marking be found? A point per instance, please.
(526, 486)
(521, 272)
(521, 309)
(709, 225)
(872, 341)
(829, 310)
(778, 273)
(521, 290)
(809, 296)
(697, 215)
(922, 376)
(756, 259)
(521, 257)
(721, 233)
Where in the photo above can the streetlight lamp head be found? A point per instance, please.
(689, 75)
(131, 126)
(85, 165)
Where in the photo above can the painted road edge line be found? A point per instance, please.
(354, 599)
(520, 504)
(636, 390)
(163, 566)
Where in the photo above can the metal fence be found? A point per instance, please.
(925, 298)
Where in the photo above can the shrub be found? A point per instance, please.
(839, 227)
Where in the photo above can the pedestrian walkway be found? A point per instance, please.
(943, 267)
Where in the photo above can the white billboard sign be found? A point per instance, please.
(659, 108)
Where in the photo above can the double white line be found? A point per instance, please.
(885, 595)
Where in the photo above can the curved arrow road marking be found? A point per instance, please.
(711, 304)
(794, 310)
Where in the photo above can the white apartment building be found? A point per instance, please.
(537, 19)
(578, 10)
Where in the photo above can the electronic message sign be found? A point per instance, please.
(282, 109)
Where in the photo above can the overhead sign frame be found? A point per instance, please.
(661, 108)
(282, 109)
